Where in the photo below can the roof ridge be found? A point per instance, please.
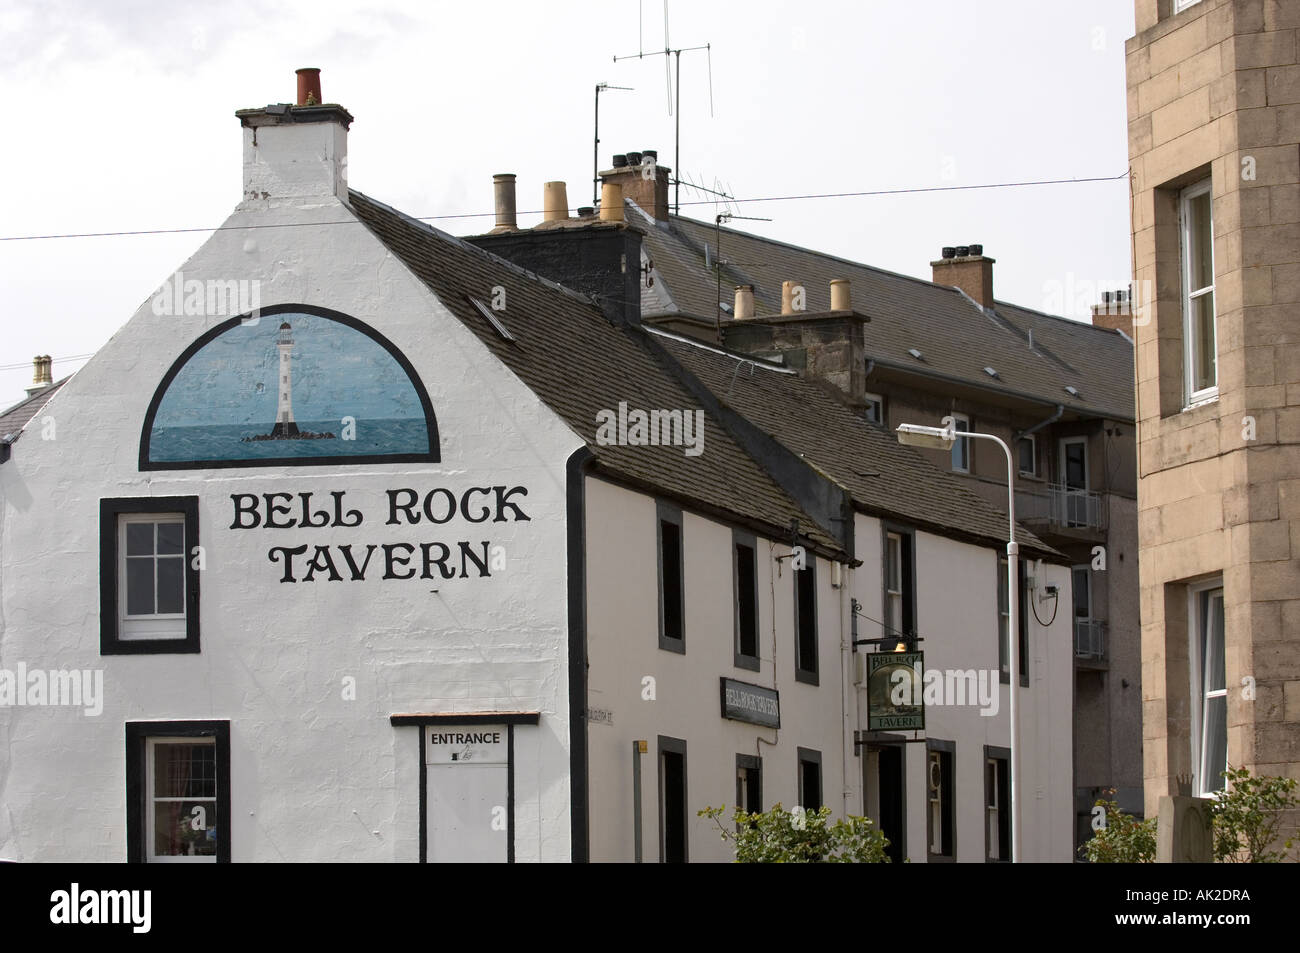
(1058, 317)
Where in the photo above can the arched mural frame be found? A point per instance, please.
(434, 454)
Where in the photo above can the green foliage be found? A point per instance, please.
(1123, 839)
(778, 836)
(1247, 817)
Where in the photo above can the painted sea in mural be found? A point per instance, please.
(290, 386)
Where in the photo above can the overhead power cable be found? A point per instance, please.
(460, 215)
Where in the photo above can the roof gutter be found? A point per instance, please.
(1060, 411)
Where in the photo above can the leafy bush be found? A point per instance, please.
(1122, 839)
(1247, 817)
(798, 836)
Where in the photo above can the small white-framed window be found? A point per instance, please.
(961, 447)
(1200, 335)
(151, 577)
(1027, 452)
(181, 800)
(1209, 688)
(875, 408)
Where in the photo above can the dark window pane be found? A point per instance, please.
(746, 592)
(1027, 462)
(671, 550)
(674, 807)
(1076, 477)
(171, 537)
(139, 586)
(171, 584)
(185, 828)
(1216, 742)
(1203, 369)
(139, 539)
(1212, 626)
(811, 776)
(806, 583)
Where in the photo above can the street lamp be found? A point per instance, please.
(942, 438)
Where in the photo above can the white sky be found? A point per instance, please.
(119, 115)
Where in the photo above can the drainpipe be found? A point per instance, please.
(1060, 410)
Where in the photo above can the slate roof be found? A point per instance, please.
(15, 418)
(956, 337)
(885, 478)
(568, 353)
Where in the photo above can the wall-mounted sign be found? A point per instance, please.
(466, 744)
(755, 704)
(894, 701)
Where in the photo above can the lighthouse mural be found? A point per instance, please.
(230, 399)
(284, 425)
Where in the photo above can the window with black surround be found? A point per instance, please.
(810, 779)
(672, 579)
(1004, 624)
(941, 759)
(749, 783)
(899, 584)
(997, 803)
(178, 791)
(149, 575)
(744, 563)
(805, 622)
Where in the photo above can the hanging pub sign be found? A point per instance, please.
(755, 704)
(894, 701)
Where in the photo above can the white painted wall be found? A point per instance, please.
(313, 776)
(623, 640)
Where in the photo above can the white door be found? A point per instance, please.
(467, 806)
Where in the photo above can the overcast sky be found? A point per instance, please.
(119, 115)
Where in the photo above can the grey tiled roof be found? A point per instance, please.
(16, 417)
(885, 478)
(957, 338)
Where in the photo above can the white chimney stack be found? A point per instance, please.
(294, 154)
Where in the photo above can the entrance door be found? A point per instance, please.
(885, 795)
(467, 793)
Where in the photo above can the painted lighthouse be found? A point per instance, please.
(285, 428)
(284, 424)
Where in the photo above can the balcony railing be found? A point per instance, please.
(1061, 507)
(1089, 639)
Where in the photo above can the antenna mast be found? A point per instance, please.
(666, 52)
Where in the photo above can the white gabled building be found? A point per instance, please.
(355, 575)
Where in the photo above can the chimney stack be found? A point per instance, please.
(744, 302)
(296, 154)
(965, 267)
(643, 180)
(503, 189)
(1114, 312)
(841, 298)
(611, 202)
(555, 202)
(42, 374)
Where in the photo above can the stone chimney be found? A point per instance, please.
(644, 181)
(1114, 312)
(966, 268)
(294, 154)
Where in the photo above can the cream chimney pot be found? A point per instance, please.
(611, 202)
(555, 202)
(841, 298)
(744, 302)
(787, 297)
